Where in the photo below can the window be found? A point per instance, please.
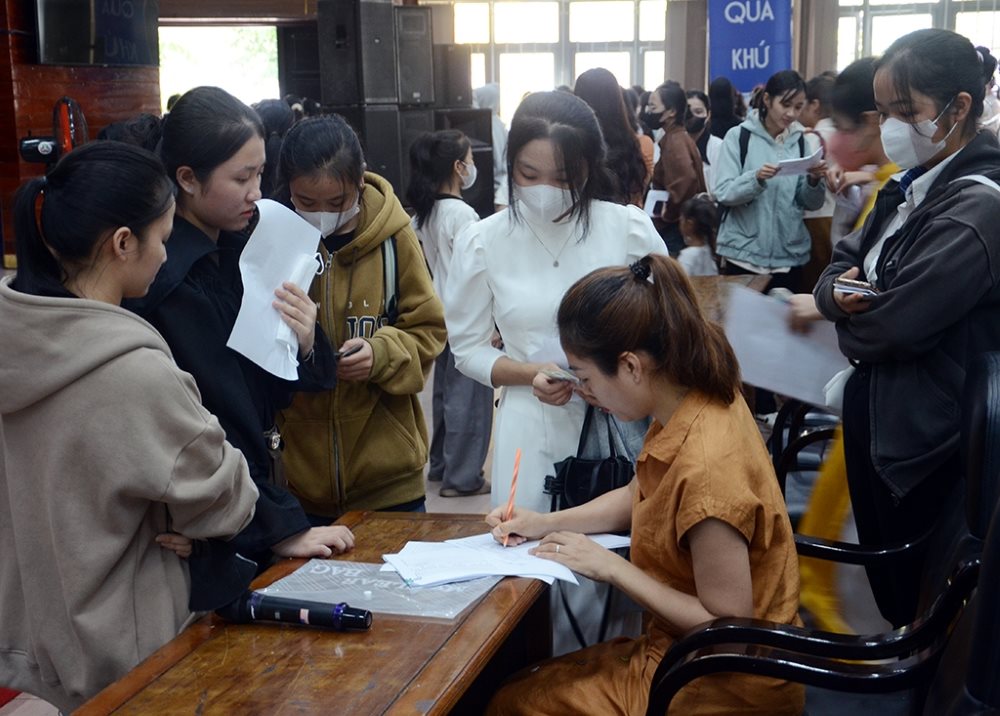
(654, 66)
(472, 23)
(618, 63)
(983, 28)
(847, 41)
(478, 70)
(525, 22)
(244, 60)
(652, 20)
(523, 72)
(886, 29)
(610, 21)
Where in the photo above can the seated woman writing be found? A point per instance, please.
(710, 535)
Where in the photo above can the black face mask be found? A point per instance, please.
(694, 125)
(651, 120)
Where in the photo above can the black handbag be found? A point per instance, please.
(580, 479)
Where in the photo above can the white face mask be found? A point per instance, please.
(542, 203)
(910, 145)
(470, 178)
(327, 222)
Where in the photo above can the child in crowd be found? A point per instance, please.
(362, 445)
(104, 443)
(213, 149)
(710, 534)
(441, 167)
(699, 224)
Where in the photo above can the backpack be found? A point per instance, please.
(390, 275)
(744, 147)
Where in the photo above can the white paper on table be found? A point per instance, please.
(431, 563)
(795, 167)
(774, 357)
(282, 248)
(653, 197)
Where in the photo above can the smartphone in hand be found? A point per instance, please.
(850, 285)
(348, 351)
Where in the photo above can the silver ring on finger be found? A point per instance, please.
(557, 548)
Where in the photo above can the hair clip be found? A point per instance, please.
(640, 269)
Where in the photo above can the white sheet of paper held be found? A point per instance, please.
(795, 167)
(774, 357)
(283, 247)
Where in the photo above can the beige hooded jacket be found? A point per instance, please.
(104, 444)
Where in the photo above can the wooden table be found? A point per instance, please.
(403, 665)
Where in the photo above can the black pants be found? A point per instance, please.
(884, 518)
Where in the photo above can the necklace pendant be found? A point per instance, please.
(555, 263)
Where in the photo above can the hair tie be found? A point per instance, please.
(640, 269)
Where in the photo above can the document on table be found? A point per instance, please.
(774, 357)
(364, 585)
(282, 248)
(795, 167)
(430, 563)
(654, 197)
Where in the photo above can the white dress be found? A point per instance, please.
(437, 236)
(500, 272)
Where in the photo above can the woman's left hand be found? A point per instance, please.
(178, 544)
(357, 366)
(817, 173)
(551, 391)
(580, 553)
(299, 312)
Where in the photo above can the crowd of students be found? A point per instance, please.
(173, 468)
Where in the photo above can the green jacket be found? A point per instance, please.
(363, 445)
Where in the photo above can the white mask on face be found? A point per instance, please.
(542, 203)
(327, 222)
(470, 178)
(910, 145)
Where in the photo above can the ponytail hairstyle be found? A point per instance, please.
(323, 145)
(673, 96)
(701, 210)
(781, 85)
(205, 129)
(649, 307)
(277, 118)
(90, 193)
(432, 162)
(939, 64)
(989, 65)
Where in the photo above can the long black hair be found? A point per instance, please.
(320, 145)
(853, 94)
(673, 96)
(939, 64)
(277, 118)
(722, 95)
(572, 126)
(599, 88)
(206, 128)
(91, 192)
(432, 162)
(781, 85)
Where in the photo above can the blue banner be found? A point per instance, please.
(749, 40)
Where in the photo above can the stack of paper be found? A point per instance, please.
(428, 563)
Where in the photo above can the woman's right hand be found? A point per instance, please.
(316, 542)
(802, 312)
(851, 302)
(766, 172)
(524, 525)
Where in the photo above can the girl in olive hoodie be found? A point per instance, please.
(362, 445)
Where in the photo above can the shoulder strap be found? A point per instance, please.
(980, 179)
(390, 274)
(802, 145)
(744, 146)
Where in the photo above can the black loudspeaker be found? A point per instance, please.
(477, 125)
(415, 53)
(378, 128)
(298, 60)
(357, 52)
(412, 123)
(452, 76)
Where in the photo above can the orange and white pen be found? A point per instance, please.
(513, 489)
